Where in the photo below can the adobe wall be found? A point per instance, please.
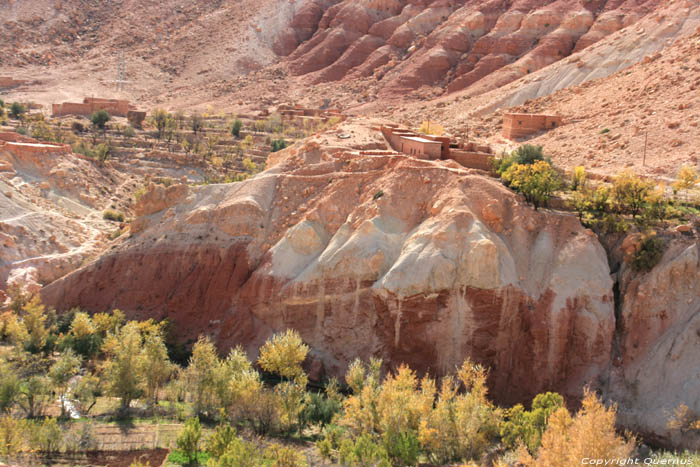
(90, 105)
(9, 82)
(472, 160)
(520, 125)
(12, 137)
(30, 149)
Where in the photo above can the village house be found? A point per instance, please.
(516, 125)
(432, 147)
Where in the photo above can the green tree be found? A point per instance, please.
(83, 337)
(155, 365)
(161, 119)
(9, 387)
(122, 369)
(189, 438)
(99, 119)
(46, 436)
(236, 128)
(17, 110)
(34, 395)
(278, 144)
(196, 123)
(61, 372)
(537, 181)
(203, 376)
(86, 392)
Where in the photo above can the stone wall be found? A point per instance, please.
(520, 125)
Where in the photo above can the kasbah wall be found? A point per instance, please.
(114, 107)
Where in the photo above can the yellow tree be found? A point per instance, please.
(34, 320)
(687, 178)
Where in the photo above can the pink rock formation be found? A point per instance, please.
(446, 264)
(450, 44)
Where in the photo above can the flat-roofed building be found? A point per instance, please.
(421, 148)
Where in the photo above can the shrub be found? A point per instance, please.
(13, 435)
(578, 178)
(378, 195)
(112, 215)
(77, 128)
(403, 448)
(99, 119)
(320, 410)
(284, 456)
(189, 438)
(591, 433)
(47, 436)
(537, 181)
(649, 254)
(525, 155)
(236, 128)
(17, 110)
(278, 144)
(522, 426)
(238, 453)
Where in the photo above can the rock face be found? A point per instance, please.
(413, 261)
(657, 368)
(45, 198)
(409, 44)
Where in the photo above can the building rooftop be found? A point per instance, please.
(421, 140)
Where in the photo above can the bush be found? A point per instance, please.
(649, 254)
(77, 128)
(112, 215)
(591, 433)
(238, 453)
(284, 456)
(526, 427)
(188, 440)
(278, 144)
(17, 110)
(578, 178)
(47, 436)
(320, 410)
(537, 181)
(100, 118)
(525, 155)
